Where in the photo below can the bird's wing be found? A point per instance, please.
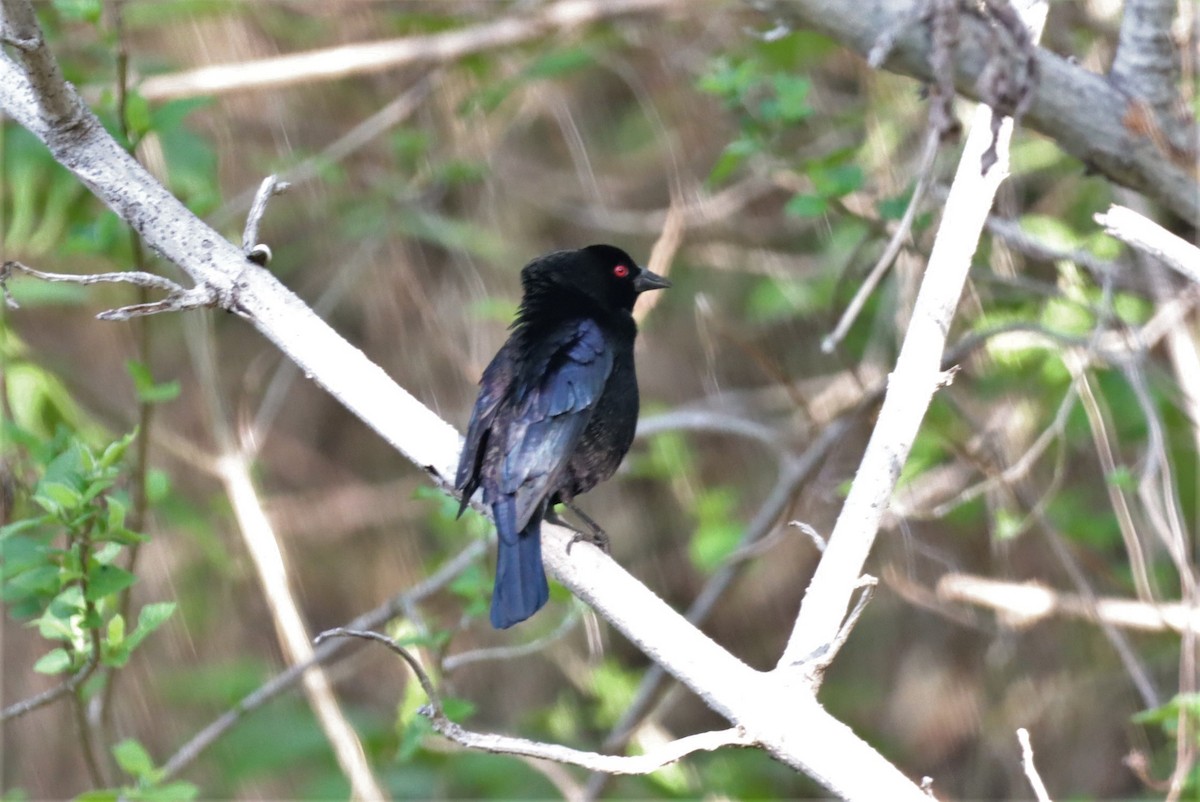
(493, 386)
(566, 381)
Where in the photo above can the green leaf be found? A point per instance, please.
(412, 733)
(558, 63)
(1007, 524)
(38, 580)
(791, 97)
(732, 157)
(731, 81)
(107, 553)
(104, 580)
(147, 391)
(80, 10)
(134, 759)
(834, 182)
(717, 532)
(158, 485)
(1067, 317)
(170, 115)
(1167, 715)
(100, 795)
(16, 527)
(614, 688)
(61, 618)
(1132, 309)
(434, 639)
(457, 709)
(57, 498)
(116, 515)
(66, 467)
(137, 114)
(179, 791)
(773, 299)
(893, 208)
(1050, 230)
(115, 451)
(54, 661)
(94, 489)
(475, 588)
(802, 205)
(1123, 478)
(115, 634)
(151, 617)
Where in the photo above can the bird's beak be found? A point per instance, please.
(649, 281)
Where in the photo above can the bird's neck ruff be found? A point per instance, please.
(546, 306)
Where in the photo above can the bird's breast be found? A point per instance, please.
(609, 432)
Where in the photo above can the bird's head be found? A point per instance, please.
(604, 274)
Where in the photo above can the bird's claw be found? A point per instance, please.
(598, 539)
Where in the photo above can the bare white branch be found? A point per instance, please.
(1035, 779)
(593, 761)
(910, 387)
(815, 665)
(1024, 604)
(56, 102)
(367, 57)
(1146, 64)
(263, 545)
(1149, 237)
(1084, 112)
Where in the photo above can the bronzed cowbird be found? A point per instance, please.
(557, 408)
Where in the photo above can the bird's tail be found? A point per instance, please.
(520, 589)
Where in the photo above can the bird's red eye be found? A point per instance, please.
(620, 271)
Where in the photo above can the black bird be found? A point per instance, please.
(557, 408)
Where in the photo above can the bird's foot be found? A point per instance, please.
(597, 536)
(598, 539)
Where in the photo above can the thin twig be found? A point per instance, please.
(1099, 426)
(815, 665)
(924, 171)
(662, 253)
(426, 683)
(178, 298)
(507, 745)
(95, 772)
(818, 540)
(136, 277)
(1011, 233)
(1019, 468)
(18, 709)
(271, 185)
(453, 662)
(1035, 780)
(711, 420)
(368, 130)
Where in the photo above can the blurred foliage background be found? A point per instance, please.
(418, 193)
